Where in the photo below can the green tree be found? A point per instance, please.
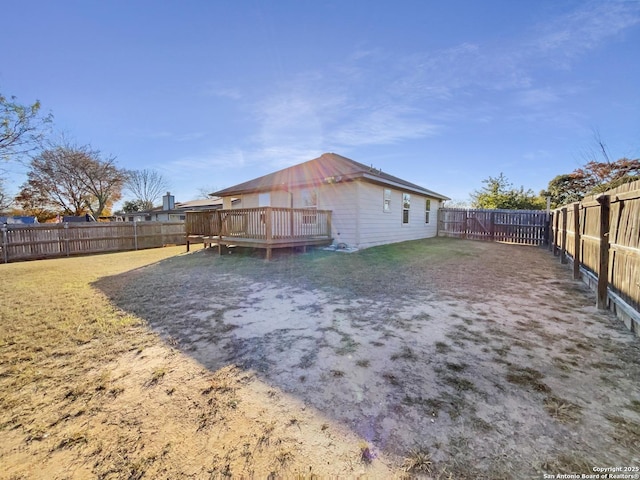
(564, 189)
(131, 206)
(499, 193)
(593, 177)
(22, 127)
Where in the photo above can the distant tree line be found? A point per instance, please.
(597, 175)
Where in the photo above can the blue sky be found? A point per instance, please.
(440, 93)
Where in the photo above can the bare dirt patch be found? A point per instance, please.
(442, 358)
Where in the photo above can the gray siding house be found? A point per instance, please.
(368, 207)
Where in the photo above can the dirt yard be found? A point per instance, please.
(433, 359)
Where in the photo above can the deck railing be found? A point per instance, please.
(268, 224)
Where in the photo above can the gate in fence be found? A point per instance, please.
(525, 227)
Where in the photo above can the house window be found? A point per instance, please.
(310, 201)
(309, 198)
(406, 203)
(264, 199)
(427, 211)
(386, 201)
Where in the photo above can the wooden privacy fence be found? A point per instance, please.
(47, 240)
(526, 227)
(601, 237)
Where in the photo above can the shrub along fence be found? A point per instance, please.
(526, 227)
(48, 240)
(600, 236)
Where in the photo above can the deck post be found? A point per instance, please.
(268, 225)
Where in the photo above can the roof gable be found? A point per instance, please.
(328, 168)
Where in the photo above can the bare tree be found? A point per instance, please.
(101, 178)
(5, 199)
(147, 186)
(22, 127)
(206, 191)
(72, 179)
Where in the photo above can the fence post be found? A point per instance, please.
(135, 235)
(492, 225)
(577, 254)
(603, 270)
(555, 232)
(563, 253)
(65, 236)
(5, 243)
(464, 225)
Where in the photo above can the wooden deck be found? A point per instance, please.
(262, 227)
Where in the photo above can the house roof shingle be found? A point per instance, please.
(329, 167)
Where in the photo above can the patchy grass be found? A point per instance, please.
(626, 432)
(405, 353)
(634, 406)
(156, 376)
(356, 274)
(568, 463)
(418, 461)
(366, 454)
(528, 378)
(562, 410)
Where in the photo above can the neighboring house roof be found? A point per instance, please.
(78, 218)
(18, 220)
(328, 168)
(181, 207)
(200, 204)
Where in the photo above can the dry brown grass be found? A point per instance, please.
(88, 389)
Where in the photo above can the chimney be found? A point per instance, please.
(168, 202)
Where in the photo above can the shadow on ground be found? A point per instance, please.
(487, 358)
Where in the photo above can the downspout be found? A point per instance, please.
(357, 184)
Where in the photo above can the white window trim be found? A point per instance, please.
(427, 211)
(407, 209)
(386, 200)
